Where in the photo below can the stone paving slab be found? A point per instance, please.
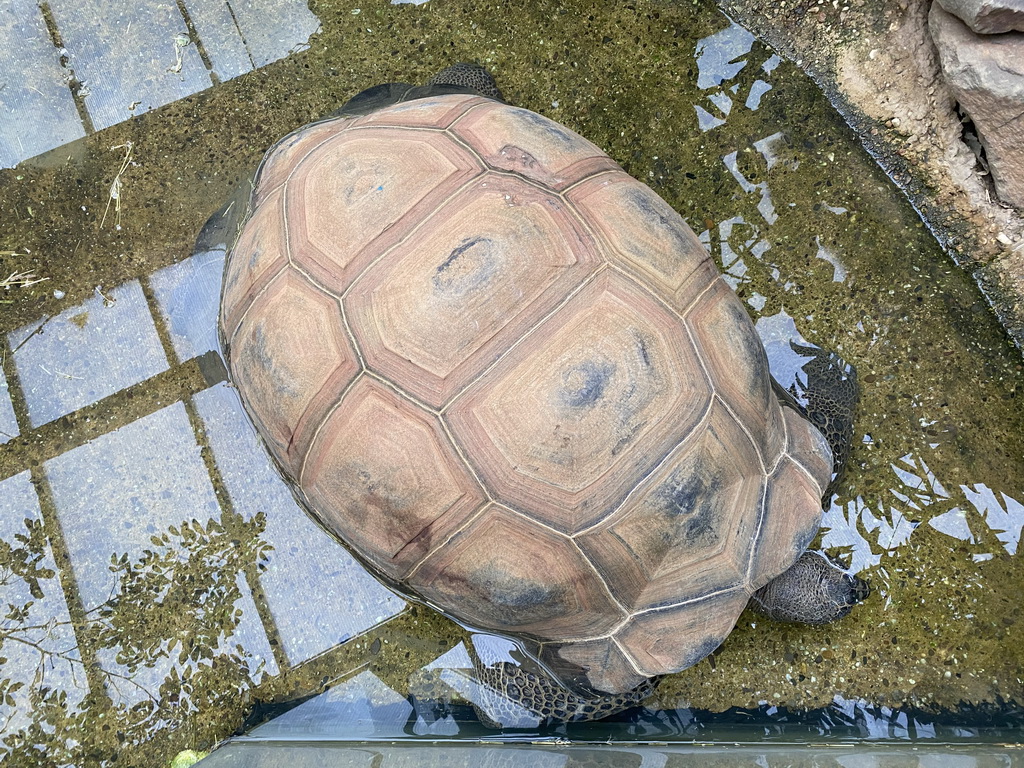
(85, 353)
(112, 496)
(188, 295)
(217, 28)
(243, 35)
(37, 111)
(127, 55)
(273, 29)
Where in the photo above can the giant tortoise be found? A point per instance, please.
(509, 379)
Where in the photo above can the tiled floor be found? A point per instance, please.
(195, 457)
(71, 68)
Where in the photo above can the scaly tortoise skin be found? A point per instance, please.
(508, 377)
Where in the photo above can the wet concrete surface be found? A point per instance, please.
(161, 578)
(880, 67)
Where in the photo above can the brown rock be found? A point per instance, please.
(986, 74)
(988, 17)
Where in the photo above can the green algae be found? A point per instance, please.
(835, 247)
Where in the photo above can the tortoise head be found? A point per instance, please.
(813, 591)
(466, 75)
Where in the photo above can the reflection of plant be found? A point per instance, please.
(22, 570)
(21, 562)
(183, 595)
(63, 732)
(24, 563)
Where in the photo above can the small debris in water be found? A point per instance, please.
(181, 42)
(107, 300)
(115, 186)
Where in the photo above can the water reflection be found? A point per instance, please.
(368, 708)
(764, 206)
(838, 270)
(128, 58)
(863, 529)
(456, 673)
(365, 708)
(869, 531)
(718, 60)
(716, 57)
(71, 68)
(41, 657)
(781, 340)
(848, 526)
(167, 559)
(188, 573)
(139, 528)
(1003, 515)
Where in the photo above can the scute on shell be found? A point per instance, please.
(509, 378)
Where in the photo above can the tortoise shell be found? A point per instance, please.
(509, 378)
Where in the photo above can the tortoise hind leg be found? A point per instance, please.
(509, 696)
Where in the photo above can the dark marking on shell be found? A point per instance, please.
(584, 384)
(686, 499)
(703, 649)
(257, 354)
(511, 599)
(641, 349)
(753, 350)
(802, 539)
(645, 207)
(469, 266)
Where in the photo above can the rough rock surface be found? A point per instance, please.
(876, 61)
(986, 73)
(988, 17)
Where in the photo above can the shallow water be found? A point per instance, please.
(159, 576)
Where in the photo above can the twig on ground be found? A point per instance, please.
(115, 186)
